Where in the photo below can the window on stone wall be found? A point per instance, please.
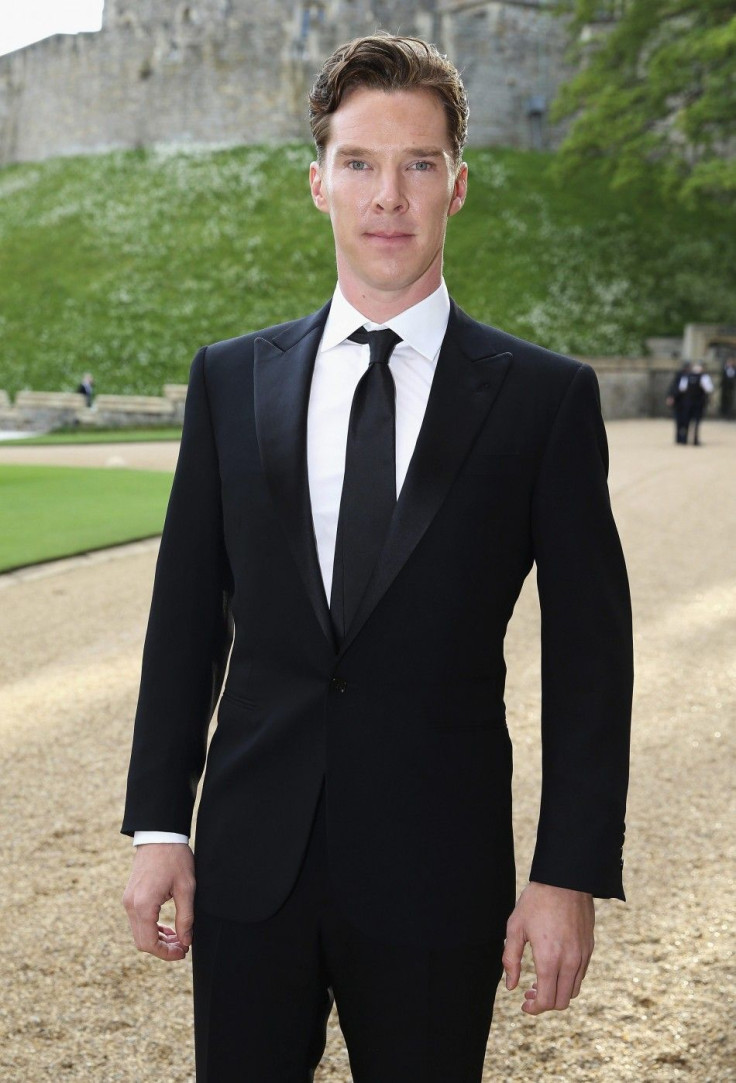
(312, 14)
(536, 113)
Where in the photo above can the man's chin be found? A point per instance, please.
(388, 279)
(391, 277)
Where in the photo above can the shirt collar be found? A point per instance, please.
(422, 326)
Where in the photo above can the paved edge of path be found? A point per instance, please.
(64, 564)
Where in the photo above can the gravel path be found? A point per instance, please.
(79, 1003)
(146, 455)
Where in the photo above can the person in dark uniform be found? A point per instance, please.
(696, 390)
(728, 385)
(676, 401)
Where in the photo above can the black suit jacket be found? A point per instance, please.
(405, 719)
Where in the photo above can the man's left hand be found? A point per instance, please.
(558, 923)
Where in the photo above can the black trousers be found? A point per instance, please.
(263, 992)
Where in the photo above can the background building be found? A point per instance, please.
(237, 71)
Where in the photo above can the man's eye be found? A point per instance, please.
(357, 165)
(422, 167)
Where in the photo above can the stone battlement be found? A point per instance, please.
(223, 72)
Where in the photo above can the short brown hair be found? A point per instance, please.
(388, 62)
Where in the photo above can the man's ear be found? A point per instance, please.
(316, 186)
(459, 189)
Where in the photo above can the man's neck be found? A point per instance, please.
(379, 306)
(382, 314)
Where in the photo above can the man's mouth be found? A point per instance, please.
(388, 235)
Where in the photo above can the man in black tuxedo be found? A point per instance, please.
(359, 495)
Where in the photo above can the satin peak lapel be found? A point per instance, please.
(464, 388)
(282, 376)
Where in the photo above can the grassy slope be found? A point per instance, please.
(54, 511)
(125, 263)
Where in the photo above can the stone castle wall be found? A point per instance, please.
(512, 60)
(237, 71)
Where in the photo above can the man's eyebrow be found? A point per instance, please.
(352, 152)
(411, 152)
(425, 152)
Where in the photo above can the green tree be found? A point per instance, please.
(654, 98)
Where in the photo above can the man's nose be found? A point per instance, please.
(390, 195)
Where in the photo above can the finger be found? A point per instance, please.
(546, 994)
(184, 921)
(565, 985)
(152, 938)
(170, 947)
(167, 936)
(167, 946)
(169, 953)
(583, 969)
(511, 959)
(144, 926)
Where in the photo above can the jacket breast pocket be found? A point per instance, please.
(234, 699)
(498, 463)
(237, 716)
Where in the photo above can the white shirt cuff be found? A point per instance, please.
(143, 838)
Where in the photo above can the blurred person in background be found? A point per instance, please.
(728, 384)
(676, 401)
(86, 387)
(695, 388)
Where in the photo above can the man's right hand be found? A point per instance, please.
(161, 871)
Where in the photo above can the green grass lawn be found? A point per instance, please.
(123, 264)
(99, 436)
(48, 512)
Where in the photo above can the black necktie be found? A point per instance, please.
(369, 489)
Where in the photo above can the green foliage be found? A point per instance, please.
(124, 264)
(580, 268)
(655, 97)
(48, 512)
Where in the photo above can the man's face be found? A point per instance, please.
(389, 183)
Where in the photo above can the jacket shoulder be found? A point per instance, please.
(284, 334)
(527, 355)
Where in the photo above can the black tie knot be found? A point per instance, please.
(381, 343)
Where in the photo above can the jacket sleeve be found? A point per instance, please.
(587, 667)
(189, 633)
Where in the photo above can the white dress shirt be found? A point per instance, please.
(338, 367)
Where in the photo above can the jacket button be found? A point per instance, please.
(337, 684)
